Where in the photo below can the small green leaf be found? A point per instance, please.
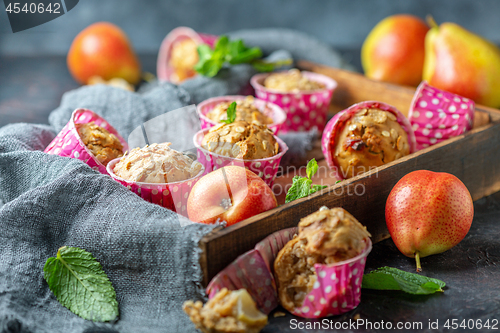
(338, 181)
(312, 168)
(79, 283)
(299, 189)
(316, 188)
(231, 114)
(389, 278)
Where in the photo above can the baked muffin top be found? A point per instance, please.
(103, 145)
(245, 111)
(325, 237)
(241, 139)
(157, 163)
(291, 81)
(371, 138)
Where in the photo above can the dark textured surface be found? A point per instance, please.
(470, 271)
(340, 23)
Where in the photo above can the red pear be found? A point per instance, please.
(428, 213)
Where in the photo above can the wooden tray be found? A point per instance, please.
(473, 157)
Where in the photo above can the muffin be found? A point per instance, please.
(364, 136)
(242, 140)
(156, 163)
(183, 58)
(101, 143)
(326, 237)
(304, 97)
(245, 111)
(291, 81)
(371, 138)
(228, 311)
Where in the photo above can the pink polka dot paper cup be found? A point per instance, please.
(305, 110)
(164, 70)
(337, 289)
(271, 110)
(253, 271)
(69, 144)
(172, 196)
(436, 114)
(265, 168)
(336, 124)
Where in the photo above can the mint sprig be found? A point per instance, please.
(301, 186)
(389, 278)
(233, 52)
(79, 283)
(231, 114)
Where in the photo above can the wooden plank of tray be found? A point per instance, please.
(473, 157)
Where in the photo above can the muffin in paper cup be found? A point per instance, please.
(269, 109)
(172, 196)
(265, 168)
(437, 115)
(165, 71)
(337, 289)
(336, 125)
(68, 142)
(305, 110)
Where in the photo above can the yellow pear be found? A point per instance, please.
(461, 62)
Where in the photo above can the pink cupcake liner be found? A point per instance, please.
(265, 168)
(172, 196)
(269, 109)
(305, 110)
(440, 120)
(335, 125)
(69, 144)
(337, 289)
(163, 70)
(435, 100)
(444, 133)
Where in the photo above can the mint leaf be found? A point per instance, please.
(312, 168)
(389, 278)
(301, 186)
(316, 188)
(233, 52)
(231, 114)
(299, 189)
(79, 283)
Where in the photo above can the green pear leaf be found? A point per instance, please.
(80, 284)
(389, 278)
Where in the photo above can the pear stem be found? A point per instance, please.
(430, 21)
(417, 258)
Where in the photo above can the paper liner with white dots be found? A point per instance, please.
(164, 71)
(253, 271)
(336, 290)
(271, 110)
(336, 124)
(440, 120)
(437, 115)
(173, 196)
(265, 168)
(248, 271)
(69, 144)
(305, 110)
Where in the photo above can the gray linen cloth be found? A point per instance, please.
(149, 253)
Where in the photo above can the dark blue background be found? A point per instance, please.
(342, 23)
